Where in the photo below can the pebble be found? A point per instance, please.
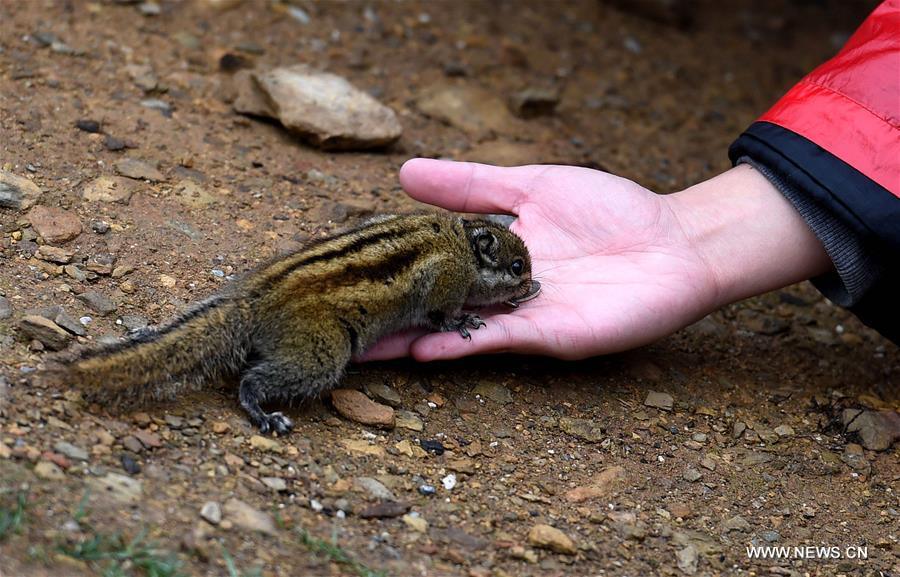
(53, 224)
(738, 429)
(687, 559)
(211, 512)
(408, 420)
(320, 107)
(138, 170)
(659, 400)
(148, 439)
(129, 464)
(6, 309)
(736, 523)
(265, 444)
(784, 431)
(191, 194)
(771, 536)
(18, 192)
(877, 430)
(602, 485)
(359, 408)
(415, 522)
(156, 104)
(134, 322)
(54, 254)
(120, 488)
(275, 483)
(88, 125)
(384, 394)
(109, 189)
(373, 488)
(45, 331)
(692, 475)
(432, 446)
(71, 451)
(48, 470)
(547, 537)
(470, 108)
(449, 482)
(535, 101)
(493, 391)
(427, 490)
(220, 427)
(248, 518)
(98, 302)
(132, 444)
(582, 428)
(384, 510)
(363, 447)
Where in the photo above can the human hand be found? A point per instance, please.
(616, 269)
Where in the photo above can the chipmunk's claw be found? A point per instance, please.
(463, 323)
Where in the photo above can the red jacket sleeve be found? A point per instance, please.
(850, 106)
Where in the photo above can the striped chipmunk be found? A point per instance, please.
(289, 329)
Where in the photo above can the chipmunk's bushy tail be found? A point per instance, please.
(204, 343)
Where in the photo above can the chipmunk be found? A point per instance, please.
(290, 328)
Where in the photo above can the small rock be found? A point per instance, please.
(50, 471)
(17, 192)
(409, 420)
(54, 225)
(138, 170)
(876, 429)
(71, 451)
(784, 431)
(494, 392)
(384, 394)
(659, 400)
(45, 331)
(470, 108)
(156, 104)
(547, 537)
(134, 322)
(148, 439)
(248, 518)
(143, 76)
(114, 144)
(191, 194)
(220, 427)
(121, 488)
(415, 522)
(110, 189)
(771, 536)
(88, 125)
(132, 444)
(359, 408)
(275, 483)
(427, 490)
(5, 308)
(261, 443)
(583, 429)
(98, 302)
(692, 475)
(384, 510)
(54, 254)
(364, 447)
(100, 226)
(708, 464)
(738, 429)
(405, 447)
(736, 523)
(687, 559)
(129, 464)
(373, 488)
(432, 446)
(449, 482)
(322, 108)
(601, 486)
(535, 101)
(211, 512)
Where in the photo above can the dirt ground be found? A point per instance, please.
(749, 450)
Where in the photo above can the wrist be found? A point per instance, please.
(750, 237)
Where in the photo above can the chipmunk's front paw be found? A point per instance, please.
(275, 423)
(463, 323)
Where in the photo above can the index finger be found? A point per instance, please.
(467, 186)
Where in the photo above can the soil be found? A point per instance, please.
(750, 449)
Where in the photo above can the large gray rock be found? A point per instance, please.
(17, 192)
(322, 108)
(46, 331)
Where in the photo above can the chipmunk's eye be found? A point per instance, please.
(517, 266)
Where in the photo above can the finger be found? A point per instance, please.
(391, 347)
(502, 334)
(467, 186)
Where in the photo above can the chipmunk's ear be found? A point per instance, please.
(486, 246)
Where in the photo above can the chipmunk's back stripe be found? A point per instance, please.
(355, 246)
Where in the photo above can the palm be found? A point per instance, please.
(615, 269)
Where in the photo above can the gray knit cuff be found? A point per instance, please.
(856, 269)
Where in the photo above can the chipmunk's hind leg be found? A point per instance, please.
(257, 385)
